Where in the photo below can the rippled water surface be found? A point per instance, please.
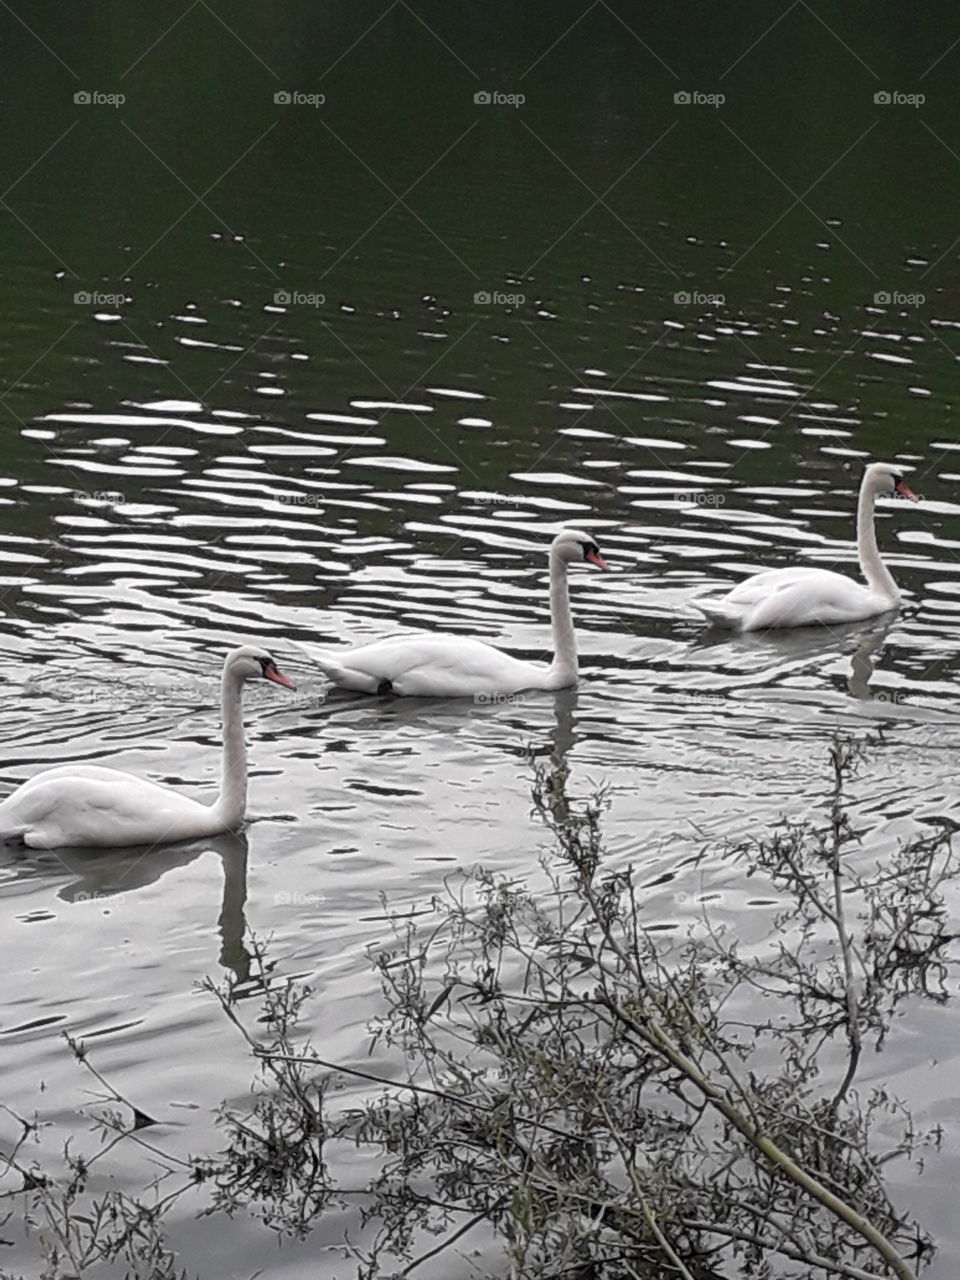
(207, 459)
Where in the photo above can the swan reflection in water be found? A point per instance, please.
(863, 659)
(103, 875)
(556, 755)
(792, 649)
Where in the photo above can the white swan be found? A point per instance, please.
(75, 804)
(804, 597)
(442, 666)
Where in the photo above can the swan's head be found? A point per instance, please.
(887, 480)
(572, 545)
(250, 662)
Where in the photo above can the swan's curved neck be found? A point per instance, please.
(878, 576)
(231, 804)
(564, 665)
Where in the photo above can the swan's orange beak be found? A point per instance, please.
(271, 672)
(596, 559)
(904, 492)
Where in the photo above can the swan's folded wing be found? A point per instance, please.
(760, 586)
(830, 599)
(93, 771)
(794, 597)
(462, 667)
(37, 812)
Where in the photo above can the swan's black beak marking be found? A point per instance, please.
(904, 492)
(591, 553)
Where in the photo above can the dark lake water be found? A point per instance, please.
(304, 371)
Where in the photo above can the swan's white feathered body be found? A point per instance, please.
(432, 666)
(805, 597)
(445, 666)
(81, 805)
(795, 597)
(84, 805)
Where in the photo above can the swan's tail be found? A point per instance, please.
(314, 656)
(335, 671)
(720, 614)
(320, 658)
